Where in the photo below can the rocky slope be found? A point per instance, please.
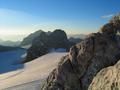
(77, 69)
(28, 40)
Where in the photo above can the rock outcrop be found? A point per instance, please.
(107, 79)
(77, 70)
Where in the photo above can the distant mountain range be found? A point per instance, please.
(27, 41)
(9, 43)
(81, 36)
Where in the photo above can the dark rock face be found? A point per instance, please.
(58, 39)
(77, 70)
(46, 41)
(35, 51)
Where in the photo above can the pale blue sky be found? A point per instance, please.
(18, 18)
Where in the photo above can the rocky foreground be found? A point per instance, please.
(78, 69)
(107, 79)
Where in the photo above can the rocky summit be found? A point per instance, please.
(77, 70)
(45, 42)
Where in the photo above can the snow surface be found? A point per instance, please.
(32, 74)
(9, 59)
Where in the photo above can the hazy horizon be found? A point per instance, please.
(20, 18)
(21, 36)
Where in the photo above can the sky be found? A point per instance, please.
(18, 18)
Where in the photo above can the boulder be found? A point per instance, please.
(107, 79)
